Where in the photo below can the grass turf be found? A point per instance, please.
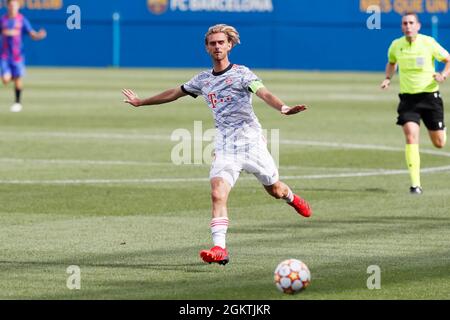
(86, 180)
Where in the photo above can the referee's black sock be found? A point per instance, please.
(18, 94)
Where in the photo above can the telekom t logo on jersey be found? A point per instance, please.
(212, 99)
(215, 100)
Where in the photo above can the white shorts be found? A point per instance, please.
(256, 160)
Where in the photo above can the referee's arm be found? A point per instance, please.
(441, 77)
(390, 70)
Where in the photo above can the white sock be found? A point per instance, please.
(219, 227)
(290, 196)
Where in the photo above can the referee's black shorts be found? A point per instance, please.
(427, 106)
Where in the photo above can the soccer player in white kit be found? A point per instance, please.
(239, 143)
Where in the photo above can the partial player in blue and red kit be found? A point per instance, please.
(12, 62)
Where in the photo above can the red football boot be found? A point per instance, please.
(301, 206)
(215, 254)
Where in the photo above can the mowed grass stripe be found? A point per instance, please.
(141, 240)
(194, 180)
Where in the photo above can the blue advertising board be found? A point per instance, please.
(275, 34)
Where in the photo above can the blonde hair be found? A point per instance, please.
(229, 31)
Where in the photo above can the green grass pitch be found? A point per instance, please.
(86, 180)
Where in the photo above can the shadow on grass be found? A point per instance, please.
(365, 190)
(348, 227)
(180, 274)
(65, 263)
(183, 259)
(342, 280)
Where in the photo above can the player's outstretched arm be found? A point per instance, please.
(164, 97)
(38, 35)
(273, 101)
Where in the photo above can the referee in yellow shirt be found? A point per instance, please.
(415, 55)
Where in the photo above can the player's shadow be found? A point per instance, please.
(368, 190)
(359, 226)
(5, 264)
(114, 260)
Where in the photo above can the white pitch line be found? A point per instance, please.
(133, 136)
(83, 162)
(365, 174)
(359, 147)
(103, 181)
(87, 135)
(177, 180)
(22, 161)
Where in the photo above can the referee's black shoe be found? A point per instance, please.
(415, 190)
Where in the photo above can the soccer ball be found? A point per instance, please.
(292, 276)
